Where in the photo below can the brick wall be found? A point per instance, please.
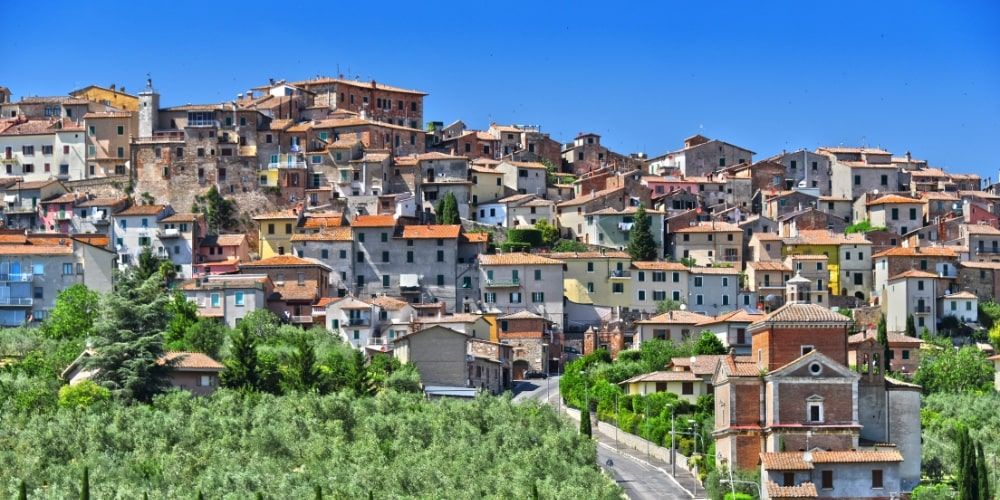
(784, 345)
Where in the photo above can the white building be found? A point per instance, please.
(136, 228)
(43, 149)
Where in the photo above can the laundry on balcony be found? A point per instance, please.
(625, 226)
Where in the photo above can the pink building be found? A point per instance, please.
(221, 254)
(57, 214)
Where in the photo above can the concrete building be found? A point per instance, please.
(36, 150)
(109, 142)
(228, 297)
(678, 326)
(898, 214)
(941, 261)
(333, 246)
(731, 329)
(611, 227)
(653, 282)
(516, 211)
(904, 352)
(598, 278)
(963, 305)
(221, 254)
(135, 229)
(701, 156)
(806, 169)
(22, 201)
(856, 171)
(34, 268)
(515, 282)
(709, 243)
(713, 290)
(439, 353)
(912, 293)
(181, 235)
(298, 284)
(523, 177)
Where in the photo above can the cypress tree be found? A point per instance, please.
(981, 472)
(911, 327)
(968, 480)
(641, 245)
(200, 495)
(883, 338)
(260, 496)
(319, 492)
(447, 211)
(585, 420)
(23, 491)
(85, 485)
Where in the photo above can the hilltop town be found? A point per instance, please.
(487, 256)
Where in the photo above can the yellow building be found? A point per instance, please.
(487, 184)
(109, 96)
(684, 384)
(599, 278)
(849, 253)
(275, 232)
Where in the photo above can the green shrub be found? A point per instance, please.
(82, 394)
(530, 236)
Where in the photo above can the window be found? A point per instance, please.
(590, 287)
(618, 288)
(409, 256)
(815, 412)
(788, 479)
(590, 267)
(216, 300)
(687, 388)
(515, 297)
(920, 284)
(659, 295)
(698, 280)
(642, 295)
(885, 180)
(827, 482)
(895, 214)
(876, 478)
(699, 300)
(39, 292)
(676, 277)
(537, 297)
(857, 180)
(490, 297)
(385, 256)
(440, 280)
(385, 280)
(67, 269)
(361, 256)
(440, 255)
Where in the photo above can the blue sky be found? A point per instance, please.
(917, 76)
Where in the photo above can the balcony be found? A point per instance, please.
(299, 320)
(16, 277)
(97, 221)
(16, 301)
(162, 136)
(171, 232)
(379, 341)
(358, 322)
(620, 274)
(918, 309)
(991, 250)
(509, 283)
(64, 215)
(10, 160)
(203, 123)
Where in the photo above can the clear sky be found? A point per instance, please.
(917, 76)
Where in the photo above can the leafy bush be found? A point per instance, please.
(569, 246)
(530, 236)
(82, 394)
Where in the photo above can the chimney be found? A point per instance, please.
(112, 87)
(373, 83)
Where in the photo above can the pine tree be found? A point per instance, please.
(641, 245)
(911, 328)
(22, 491)
(585, 421)
(883, 338)
(242, 370)
(447, 210)
(982, 472)
(85, 485)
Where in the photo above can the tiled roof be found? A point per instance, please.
(699, 365)
(432, 231)
(325, 80)
(825, 237)
(105, 201)
(515, 259)
(624, 211)
(710, 227)
(449, 318)
(32, 184)
(329, 234)
(280, 260)
(586, 255)
(141, 210)
(962, 295)
(663, 376)
(913, 273)
(659, 266)
(785, 461)
(525, 164)
(857, 456)
(63, 198)
(279, 214)
(916, 252)
(15, 249)
(316, 221)
(190, 360)
(981, 229)
(714, 270)
(183, 217)
(770, 265)
(107, 114)
(374, 221)
(514, 198)
(677, 317)
(981, 265)
(803, 313)
(804, 490)
(848, 149)
(294, 291)
(580, 200)
(894, 338)
(894, 199)
(523, 314)
(737, 316)
(389, 303)
(476, 237)
(740, 367)
(229, 240)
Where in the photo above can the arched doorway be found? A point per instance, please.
(520, 368)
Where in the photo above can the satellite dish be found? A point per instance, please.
(875, 191)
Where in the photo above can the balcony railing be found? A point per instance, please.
(620, 274)
(64, 215)
(16, 277)
(16, 301)
(990, 250)
(171, 232)
(203, 123)
(302, 319)
(379, 341)
(358, 321)
(20, 209)
(509, 283)
(921, 309)
(287, 164)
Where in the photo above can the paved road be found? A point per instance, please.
(641, 478)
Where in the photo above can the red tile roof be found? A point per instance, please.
(280, 260)
(141, 210)
(710, 227)
(515, 259)
(432, 231)
(804, 490)
(916, 252)
(374, 221)
(190, 361)
(895, 199)
(659, 266)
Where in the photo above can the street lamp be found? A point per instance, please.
(673, 445)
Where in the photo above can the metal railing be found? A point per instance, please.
(302, 319)
(16, 301)
(16, 277)
(508, 283)
(624, 273)
(358, 321)
(171, 232)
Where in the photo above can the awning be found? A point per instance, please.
(409, 281)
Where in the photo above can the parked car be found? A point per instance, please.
(535, 374)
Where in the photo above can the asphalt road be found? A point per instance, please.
(641, 479)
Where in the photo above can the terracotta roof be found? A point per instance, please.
(32, 249)
(315, 221)
(894, 338)
(280, 260)
(526, 164)
(849, 149)
(981, 265)
(484, 170)
(190, 361)
(293, 291)
(105, 201)
(913, 273)
(659, 266)
(710, 227)
(803, 313)
(740, 367)
(279, 214)
(107, 114)
(981, 229)
(63, 198)
(515, 198)
(938, 195)
(962, 295)
(374, 221)
(663, 376)
(767, 237)
(804, 490)
(324, 80)
(699, 365)
(432, 231)
(449, 318)
(435, 155)
(515, 259)
(229, 240)
(32, 184)
(894, 199)
(826, 237)
(676, 317)
(183, 217)
(141, 210)
(580, 200)
(770, 265)
(97, 240)
(624, 211)
(325, 301)
(916, 252)
(15, 236)
(329, 234)
(857, 456)
(476, 237)
(737, 316)
(586, 255)
(523, 314)
(389, 303)
(714, 270)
